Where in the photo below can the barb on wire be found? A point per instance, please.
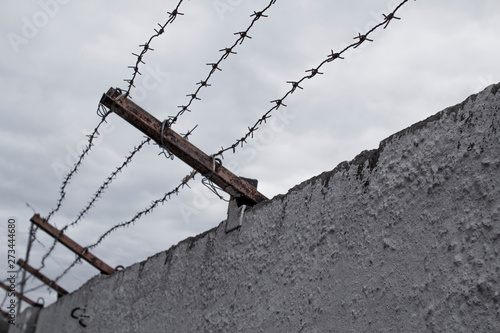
(361, 38)
(186, 136)
(108, 181)
(216, 66)
(90, 144)
(94, 198)
(147, 47)
(147, 210)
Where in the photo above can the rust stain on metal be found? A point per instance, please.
(180, 147)
(72, 245)
(61, 291)
(24, 298)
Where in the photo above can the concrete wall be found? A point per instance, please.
(405, 238)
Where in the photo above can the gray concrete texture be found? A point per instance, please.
(405, 238)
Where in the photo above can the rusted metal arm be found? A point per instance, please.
(20, 296)
(180, 147)
(60, 291)
(72, 245)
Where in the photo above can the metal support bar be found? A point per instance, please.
(18, 295)
(60, 291)
(72, 245)
(180, 147)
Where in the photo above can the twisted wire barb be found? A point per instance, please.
(146, 46)
(312, 73)
(215, 66)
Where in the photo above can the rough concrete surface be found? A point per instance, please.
(405, 238)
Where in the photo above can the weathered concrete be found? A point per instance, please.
(405, 238)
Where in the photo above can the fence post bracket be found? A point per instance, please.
(236, 209)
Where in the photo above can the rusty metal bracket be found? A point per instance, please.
(180, 147)
(236, 209)
(20, 296)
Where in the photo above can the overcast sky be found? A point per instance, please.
(59, 57)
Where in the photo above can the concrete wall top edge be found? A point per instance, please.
(371, 156)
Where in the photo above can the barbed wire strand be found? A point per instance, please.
(90, 144)
(313, 72)
(147, 47)
(94, 198)
(147, 210)
(215, 66)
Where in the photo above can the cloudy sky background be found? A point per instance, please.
(57, 61)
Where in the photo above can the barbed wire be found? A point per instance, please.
(66, 271)
(103, 113)
(94, 198)
(361, 38)
(215, 66)
(172, 120)
(313, 72)
(147, 210)
(90, 144)
(146, 47)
